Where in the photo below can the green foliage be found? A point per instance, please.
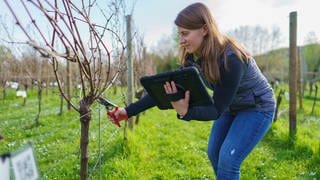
(274, 64)
(165, 55)
(311, 54)
(160, 147)
(166, 63)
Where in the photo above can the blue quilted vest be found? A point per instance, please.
(254, 91)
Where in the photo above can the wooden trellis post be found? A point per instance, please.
(299, 77)
(293, 75)
(130, 76)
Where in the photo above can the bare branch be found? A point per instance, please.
(17, 20)
(65, 23)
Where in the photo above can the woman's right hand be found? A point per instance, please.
(116, 115)
(121, 114)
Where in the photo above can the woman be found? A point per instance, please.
(243, 100)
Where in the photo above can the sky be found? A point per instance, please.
(155, 18)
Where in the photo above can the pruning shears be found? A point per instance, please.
(111, 110)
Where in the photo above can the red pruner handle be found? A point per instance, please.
(112, 117)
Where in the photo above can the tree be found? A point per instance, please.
(77, 37)
(257, 39)
(311, 54)
(35, 70)
(5, 58)
(311, 38)
(165, 53)
(274, 64)
(262, 43)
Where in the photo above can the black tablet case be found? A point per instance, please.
(187, 78)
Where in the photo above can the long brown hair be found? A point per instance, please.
(214, 44)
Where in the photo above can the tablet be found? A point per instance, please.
(187, 78)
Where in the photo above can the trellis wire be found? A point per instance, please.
(98, 163)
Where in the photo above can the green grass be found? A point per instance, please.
(160, 147)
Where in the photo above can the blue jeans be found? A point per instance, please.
(233, 137)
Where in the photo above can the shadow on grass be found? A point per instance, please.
(286, 149)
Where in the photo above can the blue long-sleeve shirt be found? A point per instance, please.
(242, 86)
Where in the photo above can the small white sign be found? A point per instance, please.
(21, 93)
(4, 168)
(287, 96)
(24, 165)
(14, 85)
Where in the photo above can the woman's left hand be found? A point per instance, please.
(182, 105)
